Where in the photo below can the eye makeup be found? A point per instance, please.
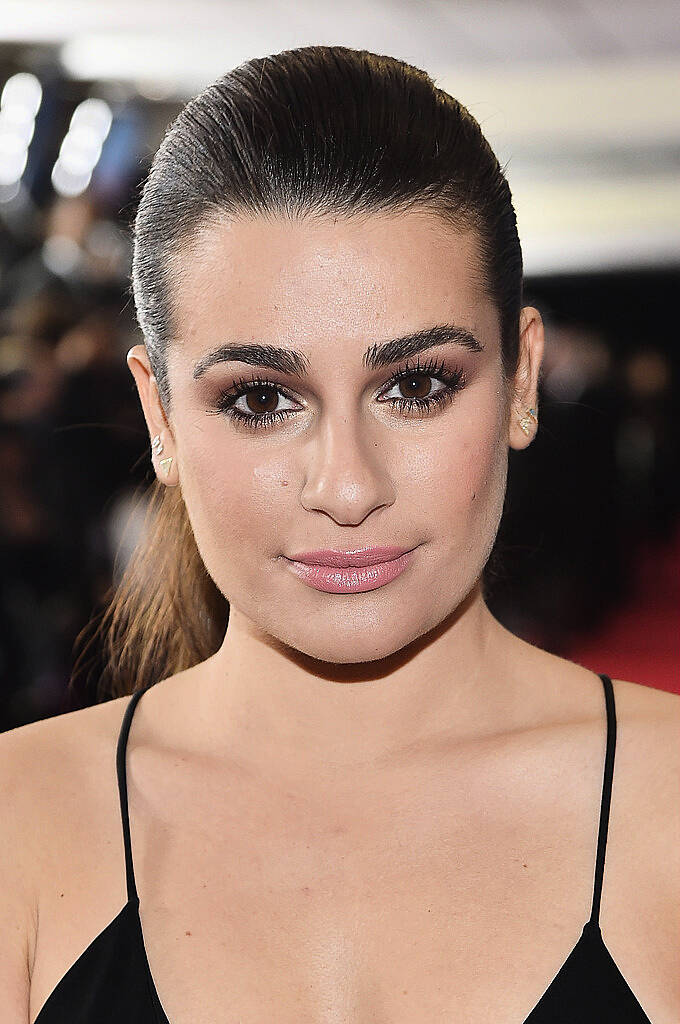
(453, 381)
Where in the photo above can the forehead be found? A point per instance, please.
(332, 277)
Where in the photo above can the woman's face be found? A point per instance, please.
(335, 458)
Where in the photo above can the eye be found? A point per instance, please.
(420, 394)
(260, 398)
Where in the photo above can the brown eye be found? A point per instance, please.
(416, 385)
(417, 397)
(262, 400)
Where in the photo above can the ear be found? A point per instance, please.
(165, 458)
(525, 387)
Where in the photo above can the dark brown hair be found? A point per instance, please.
(314, 130)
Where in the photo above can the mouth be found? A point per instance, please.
(358, 558)
(351, 579)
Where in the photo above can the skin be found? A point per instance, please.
(424, 655)
(370, 807)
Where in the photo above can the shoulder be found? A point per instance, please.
(648, 752)
(649, 720)
(53, 772)
(646, 701)
(646, 816)
(43, 756)
(46, 764)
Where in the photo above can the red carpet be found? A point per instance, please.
(641, 639)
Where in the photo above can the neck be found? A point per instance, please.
(270, 706)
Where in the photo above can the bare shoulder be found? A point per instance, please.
(41, 756)
(72, 726)
(52, 773)
(646, 701)
(647, 748)
(46, 764)
(646, 817)
(650, 721)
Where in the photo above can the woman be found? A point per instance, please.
(363, 799)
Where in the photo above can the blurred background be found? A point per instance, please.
(579, 101)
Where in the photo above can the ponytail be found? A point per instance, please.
(165, 614)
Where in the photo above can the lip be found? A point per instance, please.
(350, 579)
(349, 559)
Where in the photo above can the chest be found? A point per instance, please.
(458, 900)
(391, 935)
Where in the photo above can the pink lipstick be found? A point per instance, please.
(350, 572)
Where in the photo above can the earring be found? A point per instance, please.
(525, 422)
(157, 448)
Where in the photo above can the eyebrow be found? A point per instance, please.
(376, 356)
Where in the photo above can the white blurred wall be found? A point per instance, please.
(579, 100)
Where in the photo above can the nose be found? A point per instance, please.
(346, 475)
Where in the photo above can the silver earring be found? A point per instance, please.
(157, 445)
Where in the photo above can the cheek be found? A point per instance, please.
(234, 497)
(459, 476)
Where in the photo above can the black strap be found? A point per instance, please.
(606, 796)
(604, 808)
(122, 789)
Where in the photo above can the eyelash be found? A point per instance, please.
(454, 382)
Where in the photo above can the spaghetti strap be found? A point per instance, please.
(122, 790)
(112, 981)
(606, 797)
